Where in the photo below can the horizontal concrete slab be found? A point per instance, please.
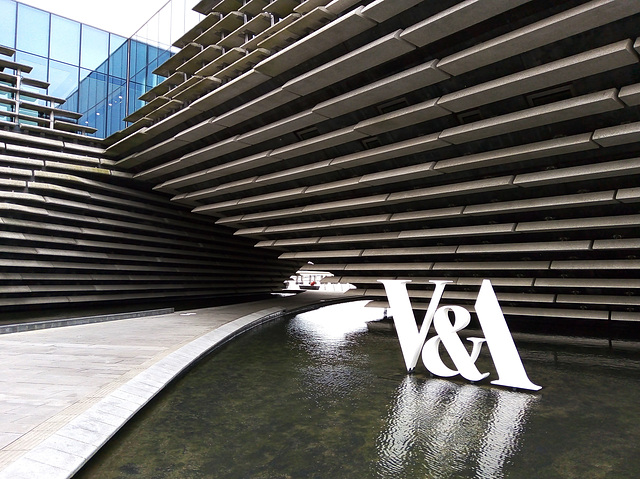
(617, 135)
(542, 149)
(375, 53)
(544, 76)
(404, 117)
(456, 18)
(579, 173)
(572, 108)
(390, 87)
(543, 32)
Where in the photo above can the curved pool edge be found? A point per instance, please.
(66, 451)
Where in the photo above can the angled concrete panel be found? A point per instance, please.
(386, 48)
(576, 20)
(390, 87)
(630, 94)
(591, 104)
(381, 10)
(404, 117)
(584, 64)
(456, 18)
(286, 125)
(617, 135)
(319, 142)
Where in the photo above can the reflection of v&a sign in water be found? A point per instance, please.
(503, 351)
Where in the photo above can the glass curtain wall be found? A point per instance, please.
(151, 45)
(100, 74)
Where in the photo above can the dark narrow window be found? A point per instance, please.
(550, 95)
(372, 142)
(307, 133)
(392, 105)
(469, 116)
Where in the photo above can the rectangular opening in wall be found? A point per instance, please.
(307, 133)
(550, 95)
(372, 142)
(392, 105)
(469, 116)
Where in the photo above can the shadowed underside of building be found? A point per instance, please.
(78, 233)
(387, 139)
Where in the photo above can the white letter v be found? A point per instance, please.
(411, 340)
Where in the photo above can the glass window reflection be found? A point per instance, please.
(39, 64)
(95, 48)
(135, 90)
(63, 79)
(65, 40)
(92, 89)
(116, 105)
(72, 102)
(118, 61)
(89, 66)
(33, 30)
(8, 23)
(115, 42)
(138, 60)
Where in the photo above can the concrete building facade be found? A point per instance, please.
(374, 139)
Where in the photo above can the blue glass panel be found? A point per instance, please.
(152, 53)
(96, 117)
(6, 94)
(118, 61)
(39, 64)
(93, 90)
(94, 48)
(116, 86)
(100, 112)
(138, 57)
(72, 103)
(8, 23)
(65, 40)
(115, 42)
(116, 106)
(5, 108)
(135, 90)
(164, 56)
(63, 79)
(151, 80)
(33, 30)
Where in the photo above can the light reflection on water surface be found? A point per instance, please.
(453, 427)
(320, 396)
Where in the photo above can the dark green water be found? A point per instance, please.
(320, 397)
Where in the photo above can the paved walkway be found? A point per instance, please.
(65, 391)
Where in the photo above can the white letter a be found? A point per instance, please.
(501, 346)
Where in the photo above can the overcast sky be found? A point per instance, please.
(123, 17)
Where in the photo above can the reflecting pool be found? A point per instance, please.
(320, 396)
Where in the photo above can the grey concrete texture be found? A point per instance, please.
(66, 391)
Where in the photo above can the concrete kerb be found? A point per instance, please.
(64, 453)
(58, 323)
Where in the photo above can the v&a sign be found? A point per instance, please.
(503, 350)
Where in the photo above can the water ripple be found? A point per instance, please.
(452, 430)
